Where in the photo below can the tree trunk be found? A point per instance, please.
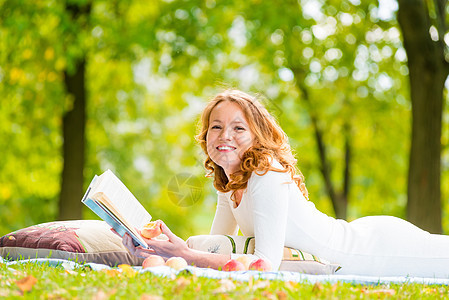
(70, 206)
(428, 71)
(74, 123)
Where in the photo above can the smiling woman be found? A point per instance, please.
(261, 194)
(255, 134)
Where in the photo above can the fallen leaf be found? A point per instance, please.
(261, 284)
(269, 295)
(26, 284)
(282, 295)
(226, 285)
(334, 287)
(150, 297)
(101, 295)
(390, 292)
(127, 270)
(291, 285)
(317, 287)
(112, 272)
(250, 283)
(70, 272)
(181, 283)
(430, 290)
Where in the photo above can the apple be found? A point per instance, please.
(233, 265)
(176, 263)
(260, 265)
(245, 260)
(151, 230)
(153, 261)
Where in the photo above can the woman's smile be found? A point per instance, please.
(225, 148)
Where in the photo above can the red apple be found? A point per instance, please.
(233, 265)
(260, 265)
(151, 230)
(153, 261)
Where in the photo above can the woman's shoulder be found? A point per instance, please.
(270, 176)
(223, 194)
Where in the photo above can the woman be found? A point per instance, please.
(260, 192)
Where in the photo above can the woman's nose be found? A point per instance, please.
(226, 134)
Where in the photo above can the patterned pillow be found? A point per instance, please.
(292, 260)
(81, 241)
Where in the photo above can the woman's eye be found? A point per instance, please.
(215, 127)
(239, 128)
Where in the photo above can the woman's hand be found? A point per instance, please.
(174, 246)
(137, 251)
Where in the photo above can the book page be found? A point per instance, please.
(103, 199)
(122, 199)
(104, 203)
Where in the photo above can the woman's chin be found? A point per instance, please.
(228, 163)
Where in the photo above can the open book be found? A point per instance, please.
(111, 200)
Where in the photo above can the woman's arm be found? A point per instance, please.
(224, 221)
(270, 194)
(175, 246)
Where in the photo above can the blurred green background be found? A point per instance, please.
(150, 67)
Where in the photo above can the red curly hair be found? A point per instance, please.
(271, 142)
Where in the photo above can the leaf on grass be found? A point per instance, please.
(181, 283)
(127, 270)
(70, 272)
(430, 290)
(100, 295)
(261, 284)
(111, 272)
(26, 284)
(334, 287)
(250, 282)
(291, 285)
(389, 292)
(268, 295)
(317, 287)
(226, 285)
(282, 295)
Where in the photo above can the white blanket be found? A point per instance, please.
(242, 275)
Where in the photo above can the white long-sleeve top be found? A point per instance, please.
(275, 212)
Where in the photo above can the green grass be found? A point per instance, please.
(34, 281)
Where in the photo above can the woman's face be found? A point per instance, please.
(228, 136)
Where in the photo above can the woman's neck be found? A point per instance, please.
(238, 197)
